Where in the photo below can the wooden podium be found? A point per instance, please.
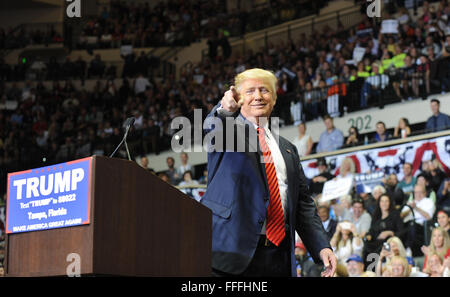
(139, 226)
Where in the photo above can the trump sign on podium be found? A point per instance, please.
(49, 197)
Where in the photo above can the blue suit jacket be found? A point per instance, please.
(238, 196)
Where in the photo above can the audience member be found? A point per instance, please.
(328, 223)
(386, 222)
(443, 220)
(400, 267)
(355, 266)
(188, 179)
(342, 208)
(331, 139)
(317, 182)
(303, 142)
(422, 179)
(423, 209)
(347, 169)
(433, 173)
(185, 166)
(353, 137)
(402, 130)
(439, 245)
(393, 191)
(382, 134)
(171, 172)
(305, 264)
(438, 121)
(345, 242)
(408, 181)
(392, 247)
(443, 196)
(373, 86)
(360, 218)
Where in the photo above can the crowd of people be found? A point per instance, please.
(179, 22)
(20, 37)
(333, 138)
(375, 233)
(42, 125)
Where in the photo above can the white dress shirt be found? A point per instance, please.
(426, 204)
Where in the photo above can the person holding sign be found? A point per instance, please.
(258, 198)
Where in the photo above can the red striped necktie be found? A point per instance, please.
(275, 217)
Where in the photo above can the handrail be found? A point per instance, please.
(294, 24)
(377, 145)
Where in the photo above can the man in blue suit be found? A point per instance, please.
(257, 190)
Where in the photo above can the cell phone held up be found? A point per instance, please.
(387, 246)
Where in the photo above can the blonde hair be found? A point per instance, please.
(257, 73)
(446, 244)
(352, 165)
(379, 187)
(405, 264)
(427, 269)
(368, 274)
(401, 247)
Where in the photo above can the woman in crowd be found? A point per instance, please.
(345, 242)
(393, 247)
(347, 168)
(386, 223)
(353, 137)
(439, 245)
(303, 142)
(403, 129)
(399, 267)
(435, 267)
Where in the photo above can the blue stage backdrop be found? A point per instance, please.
(49, 197)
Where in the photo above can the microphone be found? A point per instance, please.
(127, 125)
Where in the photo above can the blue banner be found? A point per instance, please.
(49, 197)
(366, 182)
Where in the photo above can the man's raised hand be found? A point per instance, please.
(230, 100)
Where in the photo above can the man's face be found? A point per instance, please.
(301, 129)
(258, 99)
(184, 158)
(355, 268)
(322, 168)
(407, 170)
(442, 219)
(380, 129)
(392, 180)
(435, 107)
(170, 163)
(375, 69)
(328, 124)
(323, 214)
(419, 192)
(358, 209)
